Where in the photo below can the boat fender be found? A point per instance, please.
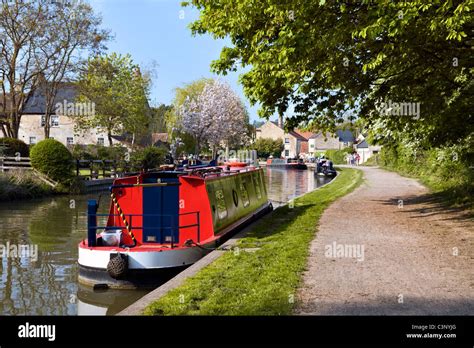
(117, 266)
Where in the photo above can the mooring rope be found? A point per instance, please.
(122, 215)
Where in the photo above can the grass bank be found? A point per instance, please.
(261, 282)
(22, 185)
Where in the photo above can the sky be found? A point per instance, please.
(156, 31)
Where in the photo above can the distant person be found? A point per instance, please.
(357, 158)
(348, 158)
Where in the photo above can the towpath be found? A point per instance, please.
(418, 257)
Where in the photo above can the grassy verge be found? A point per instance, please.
(22, 185)
(262, 282)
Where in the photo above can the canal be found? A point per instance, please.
(46, 284)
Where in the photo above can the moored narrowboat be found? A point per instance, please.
(162, 222)
(286, 163)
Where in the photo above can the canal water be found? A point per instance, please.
(46, 282)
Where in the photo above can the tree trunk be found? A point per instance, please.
(109, 135)
(47, 126)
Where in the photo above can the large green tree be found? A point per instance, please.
(333, 58)
(119, 91)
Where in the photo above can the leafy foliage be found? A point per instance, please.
(148, 158)
(12, 146)
(53, 159)
(267, 147)
(445, 170)
(337, 58)
(338, 156)
(115, 84)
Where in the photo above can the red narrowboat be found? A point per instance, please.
(161, 222)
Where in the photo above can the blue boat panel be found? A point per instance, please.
(160, 212)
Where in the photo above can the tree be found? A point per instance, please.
(216, 117)
(267, 147)
(327, 58)
(158, 118)
(173, 119)
(37, 42)
(119, 91)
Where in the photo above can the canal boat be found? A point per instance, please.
(162, 222)
(324, 167)
(286, 163)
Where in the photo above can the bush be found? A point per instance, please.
(445, 170)
(267, 147)
(12, 146)
(22, 184)
(148, 158)
(53, 159)
(339, 156)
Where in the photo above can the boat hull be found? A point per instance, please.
(298, 166)
(147, 268)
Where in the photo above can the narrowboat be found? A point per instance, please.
(286, 163)
(324, 167)
(162, 222)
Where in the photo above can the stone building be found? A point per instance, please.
(294, 143)
(62, 120)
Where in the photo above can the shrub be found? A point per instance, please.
(338, 156)
(12, 146)
(148, 158)
(53, 159)
(267, 147)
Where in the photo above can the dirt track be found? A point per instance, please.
(410, 264)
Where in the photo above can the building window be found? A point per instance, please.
(311, 146)
(32, 140)
(100, 141)
(346, 144)
(287, 153)
(54, 121)
(70, 140)
(287, 140)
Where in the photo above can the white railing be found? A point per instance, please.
(12, 163)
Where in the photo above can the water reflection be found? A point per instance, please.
(284, 185)
(49, 286)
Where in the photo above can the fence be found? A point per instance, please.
(13, 163)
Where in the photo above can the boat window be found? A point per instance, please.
(221, 208)
(244, 194)
(235, 197)
(256, 183)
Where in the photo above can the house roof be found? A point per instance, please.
(37, 103)
(363, 145)
(292, 132)
(306, 135)
(162, 137)
(345, 136)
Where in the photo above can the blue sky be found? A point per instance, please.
(155, 31)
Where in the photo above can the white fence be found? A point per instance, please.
(12, 163)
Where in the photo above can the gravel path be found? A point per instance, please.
(418, 258)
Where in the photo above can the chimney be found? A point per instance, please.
(280, 120)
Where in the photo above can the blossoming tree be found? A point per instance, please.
(216, 117)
